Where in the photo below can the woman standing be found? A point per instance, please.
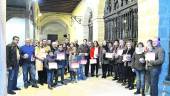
(127, 55)
(73, 60)
(94, 54)
(138, 66)
(104, 60)
(120, 63)
(110, 67)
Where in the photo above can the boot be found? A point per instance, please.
(137, 92)
(143, 92)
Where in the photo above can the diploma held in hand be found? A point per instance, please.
(60, 56)
(109, 55)
(93, 61)
(74, 65)
(150, 56)
(126, 57)
(83, 62)
(52, 65)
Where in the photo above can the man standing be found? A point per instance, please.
(13, 57)
(155, 66)
(27, 53)
(84, 52)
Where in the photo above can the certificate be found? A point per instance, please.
(86, 54)
(60, 56)
(109, 55)
(150, 56)
(74, 65)
(93, 61)
(52, 65)
(119, 52)
(83, 62)
(127, 57)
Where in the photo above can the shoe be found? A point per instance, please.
(137, 92)
(17, 88)
(64, 83)
(115, 79)
(143, 92)
(119, 81)
(124, 83)
(35, 86)
(50, 87)
(131, 88)
(25, 86)
(11, 92)
(92, 75)
(127, 86)
(97, 75)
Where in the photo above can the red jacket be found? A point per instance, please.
(92, 52)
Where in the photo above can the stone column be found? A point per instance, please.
(148, 19)
(3, 72)
(98, 29)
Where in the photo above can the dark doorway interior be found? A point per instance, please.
(52, 37)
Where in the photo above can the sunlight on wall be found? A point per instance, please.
(16, 26)
(148, 20)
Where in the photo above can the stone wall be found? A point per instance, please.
(3, 74)
(164, 34)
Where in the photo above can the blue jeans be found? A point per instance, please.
(29, 68)
(61, 70)
(12, 77)
(140, 79)
(50, 75)
(154, 76)
(81, 72)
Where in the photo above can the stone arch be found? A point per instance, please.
(51, 25)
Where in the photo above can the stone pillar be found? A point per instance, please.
(98, 29)
(148, 19)
(3, 72)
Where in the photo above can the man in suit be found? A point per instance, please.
(13, 57)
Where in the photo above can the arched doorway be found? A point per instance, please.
(52, 30)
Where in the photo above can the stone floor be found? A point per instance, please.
(89, 87)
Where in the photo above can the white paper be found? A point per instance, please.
(119, 52)
(150, 56)
(83, 62)
(93, 61)
(109, 55)
(60, 56)
(74, 65)
(52, 65)
(127, 57)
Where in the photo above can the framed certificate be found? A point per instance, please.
(93, 61)
(74, 65)
(150, 56)
(119, 52)
(52, 65)
(60, 56)
(109, 55)
(127, 57)
(83, 62)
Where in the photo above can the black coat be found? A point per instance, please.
(11, 55)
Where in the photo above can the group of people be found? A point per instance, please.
(123, 60)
